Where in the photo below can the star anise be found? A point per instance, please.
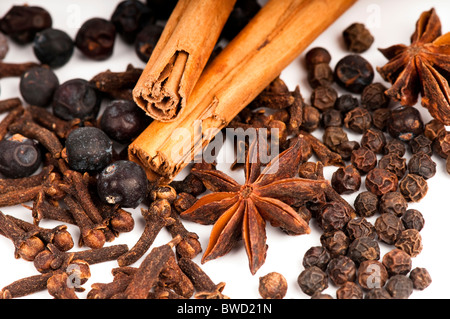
(422, 67)
(241, 211)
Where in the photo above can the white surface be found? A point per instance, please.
(390, 22)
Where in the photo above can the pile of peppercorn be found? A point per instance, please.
(375, 165)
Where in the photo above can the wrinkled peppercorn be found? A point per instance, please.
(311, 118)
(422, 164)
(346, 103)
(421, 143)
(360, 227)
(357, 38)
(341, 269)
(317, 55)
(334, 136)
(323, 97)
(336, 242)
(393, 202)
(364, 248)
(316, 256)
(405, 123)
(433, 128)
(366, 204)
(380, 117)
(413, 219)
(320, 74)
(388, 227)
(358, 120)
(395, 146)
(312, 280)
(333, 216)
(353, 73)
(331, 117)
(374, 139)
(413, 187)
(364, 159)
(346, 180)
(377, 293)
(272, 286)
(397, 262)
(346, 148)
(393, 163)
(381, 181)
(349, 290)
(399, 287)
(372, 274)
(410, 241)
(420, 277)
(373, 96)
(441, 144)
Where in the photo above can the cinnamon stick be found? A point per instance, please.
(180, 56)
(256, 56)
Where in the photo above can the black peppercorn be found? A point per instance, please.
(393, 163)
(380, 117)
(358, 120)
(441, 144)
(349, 290)
(421, 143)
(366, 204)
(346, 180)
(410, 241)
(395, 146)
(360, 227)
(388, 227)
(393, 202)
(272, 286)
(397, 262)
(399, 287)
(422, 164)
(378, 293)
(373, 96)
(320, 74)
(346, 148)
(333, 216)
(413, 187)
(336, 242)
(364, 159)
(323, 97)
(334, 136)
(381, 181)
(420, 277)
(312, 280)
(317, 55)
(357, 38)
(353, 73)
(331, 117)
(341, 269)
(346, 103)
(311, 118)
(433, 128)
(413, 219)
(374, 140)
(364, 248)
(372, 274)
(316, 256)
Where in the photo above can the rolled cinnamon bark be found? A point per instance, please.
(179, 57)
(270, 42)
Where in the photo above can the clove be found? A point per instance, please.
(15, 69)
(205, 287)
(51, 122)
(92, 234)
(172, 277)
(156, 217)
(10, 118)
(148, 272)
(122, 278)
(27, 244)
(58, 236)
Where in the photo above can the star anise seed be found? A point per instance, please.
(422, 67)
(241, 211)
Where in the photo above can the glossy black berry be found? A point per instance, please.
(96, 38)
(88, 149)
(38, 85)
(123, 120)
(21, 23)
(353, 73)
(53, 47)
(129, 17)
(122, 182)
(19, 156)
(76, 98)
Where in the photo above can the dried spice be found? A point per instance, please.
(420, 277)
(397, 262)
(388, 227)
(316, 256)
(373, 97)
(417, 68)
(380, 181)
(413, 187)
(410, 241)
(341, 269)
(312, 280)
(413, 219)
(364, 248)
(349, 290)
(366, 204)
(393, 202)
(405, 123)
(239, 210)
(357, 38)
(272, 286)
(399, 287)
(360, 227)
(346, 180)
(372, 274)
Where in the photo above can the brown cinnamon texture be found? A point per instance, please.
(269, 43)
(180, 56)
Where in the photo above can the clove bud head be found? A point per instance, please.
(93, 237)
(30, 247)
(63, 240)
(122, 222)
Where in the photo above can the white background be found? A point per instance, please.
(390, 22)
